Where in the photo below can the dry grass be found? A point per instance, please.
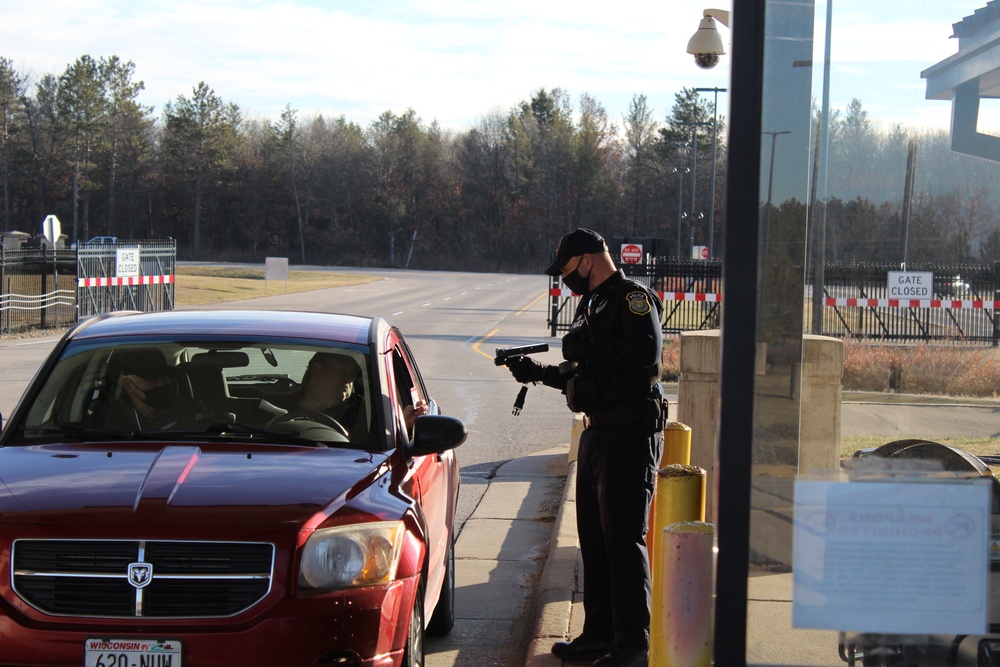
(940, 370)
(203, 285)
(944, 370)
(671, 359)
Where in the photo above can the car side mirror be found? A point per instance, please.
(433, 434)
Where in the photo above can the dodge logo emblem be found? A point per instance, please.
(140, 574)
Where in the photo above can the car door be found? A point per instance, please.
(434, 476)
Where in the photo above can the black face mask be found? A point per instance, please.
(574, 281)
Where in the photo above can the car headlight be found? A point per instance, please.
(355, 555)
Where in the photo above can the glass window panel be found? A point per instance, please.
(879, 230)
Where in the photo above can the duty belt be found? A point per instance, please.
(619, 416)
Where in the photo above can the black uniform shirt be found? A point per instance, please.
(620, 323)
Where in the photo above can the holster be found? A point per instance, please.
(657, 413)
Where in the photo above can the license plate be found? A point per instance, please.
(132, 653)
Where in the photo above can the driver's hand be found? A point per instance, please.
(411, 412)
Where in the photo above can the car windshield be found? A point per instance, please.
(277, 392)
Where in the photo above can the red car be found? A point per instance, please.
(226, 488)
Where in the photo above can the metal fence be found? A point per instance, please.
(37, 288)
(103, 287)
(690, 289)
(964, 304)
(45, 287)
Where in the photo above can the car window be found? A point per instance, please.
(321, 393)
(409, 386)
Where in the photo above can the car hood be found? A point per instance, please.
(179, 483)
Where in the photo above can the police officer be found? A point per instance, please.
(611, 374)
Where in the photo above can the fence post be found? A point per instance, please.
(553, 307)
(996, 297)
(44, 277)
(3, 283)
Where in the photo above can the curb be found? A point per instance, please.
(558, 585)
(854, 396)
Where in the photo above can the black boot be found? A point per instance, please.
(581, 649)
(624, 656)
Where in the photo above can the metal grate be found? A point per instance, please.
(188, 579)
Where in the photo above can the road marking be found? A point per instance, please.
(426, 304)
(482, 340)
(398, 312)
(530, 304)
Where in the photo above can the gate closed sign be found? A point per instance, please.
(631, 253)
(127, 262)
(910, 284)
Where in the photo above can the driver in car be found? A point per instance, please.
(328, 388)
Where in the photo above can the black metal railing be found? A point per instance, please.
(37, 288)
(44, 287)
(962, 304)
(690, 289)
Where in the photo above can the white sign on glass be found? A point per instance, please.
(892, 556)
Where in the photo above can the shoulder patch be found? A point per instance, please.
(638, 303)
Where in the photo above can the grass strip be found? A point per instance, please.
(205, 285)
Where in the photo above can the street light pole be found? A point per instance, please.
(770, 183)
(680, 203)
(694, 163)
(715, 143)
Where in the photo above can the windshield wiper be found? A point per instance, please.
(80, 431)
(223, 429)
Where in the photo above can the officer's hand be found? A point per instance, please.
(525, 369)
(574, 346)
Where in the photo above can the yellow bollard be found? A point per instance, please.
(676, 444)
(676, 449)
(574, 437)
(679, 496)
(685, 596)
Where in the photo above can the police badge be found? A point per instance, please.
(638, 303)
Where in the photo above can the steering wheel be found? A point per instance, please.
(311, 415)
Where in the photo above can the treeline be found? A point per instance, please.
(407, 193)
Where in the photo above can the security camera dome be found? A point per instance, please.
(706, 44)
(706, 60)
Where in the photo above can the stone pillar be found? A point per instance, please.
(796, 412)
(698, 403)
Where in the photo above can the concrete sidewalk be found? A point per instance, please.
(500, 557)
(559, 608)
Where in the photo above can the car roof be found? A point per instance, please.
(349, 329)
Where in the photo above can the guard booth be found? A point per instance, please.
(126, 275)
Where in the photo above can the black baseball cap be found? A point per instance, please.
(578, 242)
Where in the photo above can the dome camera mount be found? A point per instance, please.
(706, 44)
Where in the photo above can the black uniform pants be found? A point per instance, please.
(616, 472)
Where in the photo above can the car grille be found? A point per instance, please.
(147, 579)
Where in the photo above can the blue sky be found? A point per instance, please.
(456, 61)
